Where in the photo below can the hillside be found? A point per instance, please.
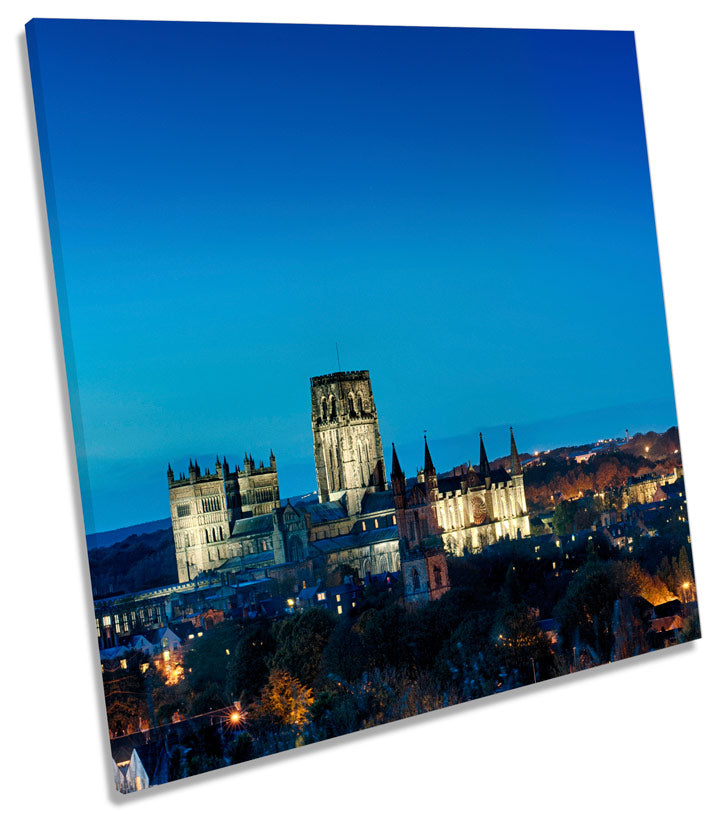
(137, 562)
(100, 540)
(557, 471)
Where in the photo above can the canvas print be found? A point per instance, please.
(368, 369)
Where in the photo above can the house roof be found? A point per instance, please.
(113, 653)
(668, 609)
(375, 502)
(452, 483)
(260, 524)
(355, 539)
(156, 635)
(323, 512)
(309, 592)
(343, 588)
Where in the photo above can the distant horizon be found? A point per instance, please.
(410, 453)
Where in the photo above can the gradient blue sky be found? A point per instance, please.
(467, 212)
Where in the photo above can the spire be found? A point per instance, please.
(431, 481)
(397, 480)
(484, 463)
(515, 468)
(396, 471)
(429, 466)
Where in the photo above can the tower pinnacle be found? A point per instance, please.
(515, 468)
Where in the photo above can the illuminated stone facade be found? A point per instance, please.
(472, 507)
(346, 438)
(205, 507)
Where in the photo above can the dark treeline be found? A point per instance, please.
(313, 674)
(139, 562)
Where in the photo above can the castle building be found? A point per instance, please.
(233, 519)
(204, 509)
(422, 555)
(472, 507)
(346, 438)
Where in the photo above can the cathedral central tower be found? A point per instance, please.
(346, 437)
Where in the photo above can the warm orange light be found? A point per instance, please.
(686, 585)
(235, 717)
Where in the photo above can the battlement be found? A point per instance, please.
(334, 378)
(222, 471)
(183, 480)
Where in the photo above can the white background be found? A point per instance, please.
(636, 739)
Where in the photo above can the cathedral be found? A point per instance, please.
(236, 518)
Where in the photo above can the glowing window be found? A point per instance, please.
(123, 663)
(339, 609)
(321, 595)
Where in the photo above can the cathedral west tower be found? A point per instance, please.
(346, 437)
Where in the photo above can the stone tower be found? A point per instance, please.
(204, 507)
(346, 437)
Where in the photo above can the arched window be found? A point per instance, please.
(351, 404)
(323, 408)
(333, 408)
(360, 404)
(295, 549)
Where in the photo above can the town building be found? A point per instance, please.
(234, 519)
(204, 509)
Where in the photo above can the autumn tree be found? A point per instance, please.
(285, 700)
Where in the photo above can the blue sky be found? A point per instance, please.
(467, 212)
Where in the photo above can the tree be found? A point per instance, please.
(384, 635)
(126, 694)
(685, 577)
(240, 748)
(300, 642)
(206, 663)
(585, 613)
(248, 668)
(343, 657)
(562, 522)
(520, 646)
(285, 700)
